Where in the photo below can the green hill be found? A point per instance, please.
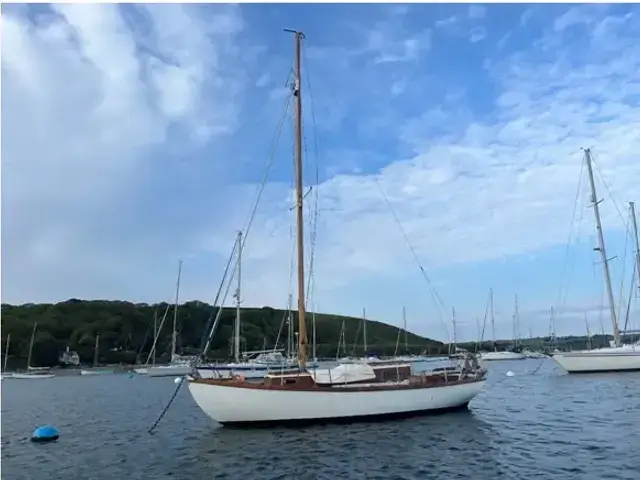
(126, 331)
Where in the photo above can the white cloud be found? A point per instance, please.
(92, 100)
(477, 34)
(87, 100)
(477, 189)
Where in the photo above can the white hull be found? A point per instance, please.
(615, 359)
(496, 356)
(32, 376)
(228, 404)
(95, 372)
(169, 370)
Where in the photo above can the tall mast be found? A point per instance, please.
(236, 335)
(297, 93)
(493, 320)
(6, 353)
(175, 313)
(455, 333)
(516, 322)
(601, 249)
(95, 350)
(155, 333)
(364, 330)
(33, 336)
(632, 207)
(404, 321)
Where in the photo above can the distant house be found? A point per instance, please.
(68, 358)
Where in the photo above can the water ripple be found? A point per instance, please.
(544, 426)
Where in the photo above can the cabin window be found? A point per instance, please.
(289, 381)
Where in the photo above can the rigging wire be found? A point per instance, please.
(311, 292)
(624, 270)
(432, 290)
(563, 290)
(613, 199)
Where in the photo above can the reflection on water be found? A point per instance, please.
(543, 426)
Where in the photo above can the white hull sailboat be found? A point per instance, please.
(346, 392)
(506, 355)
(618, 357)
(496, 355)
(179, 365)
(237, 403)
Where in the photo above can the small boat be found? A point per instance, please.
(32, 376)
(505, 355)
(96, 371)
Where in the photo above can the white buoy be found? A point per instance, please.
(177, 380)
(510, 374)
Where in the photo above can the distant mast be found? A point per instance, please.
(364, 330)
(601, 249)
(634, 222)
(175, 313)
(6, 353)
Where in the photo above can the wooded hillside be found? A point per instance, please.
(126, 331)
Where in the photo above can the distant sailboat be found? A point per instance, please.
(506, 354)
(33, 373)
(178, 365)
(95, 370)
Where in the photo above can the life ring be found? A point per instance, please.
(240, 378)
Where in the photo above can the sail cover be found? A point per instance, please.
(344, 373)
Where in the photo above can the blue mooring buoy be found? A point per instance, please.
(46, 433)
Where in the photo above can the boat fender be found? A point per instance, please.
(46, 433)
(240, 378)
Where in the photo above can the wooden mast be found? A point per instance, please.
(297, 93)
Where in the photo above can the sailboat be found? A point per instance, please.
(178, 365)
(500, 355)
(249, 364)
(33, 373)
(95, 370)
(618, 356)
(346, 392)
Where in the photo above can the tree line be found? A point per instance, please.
(126, 334)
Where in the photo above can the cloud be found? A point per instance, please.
(477, 34)
(476, 188)
(91, 94)
(148, 132)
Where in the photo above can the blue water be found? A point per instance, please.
(548, 425)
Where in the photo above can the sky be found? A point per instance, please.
(134, 136)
